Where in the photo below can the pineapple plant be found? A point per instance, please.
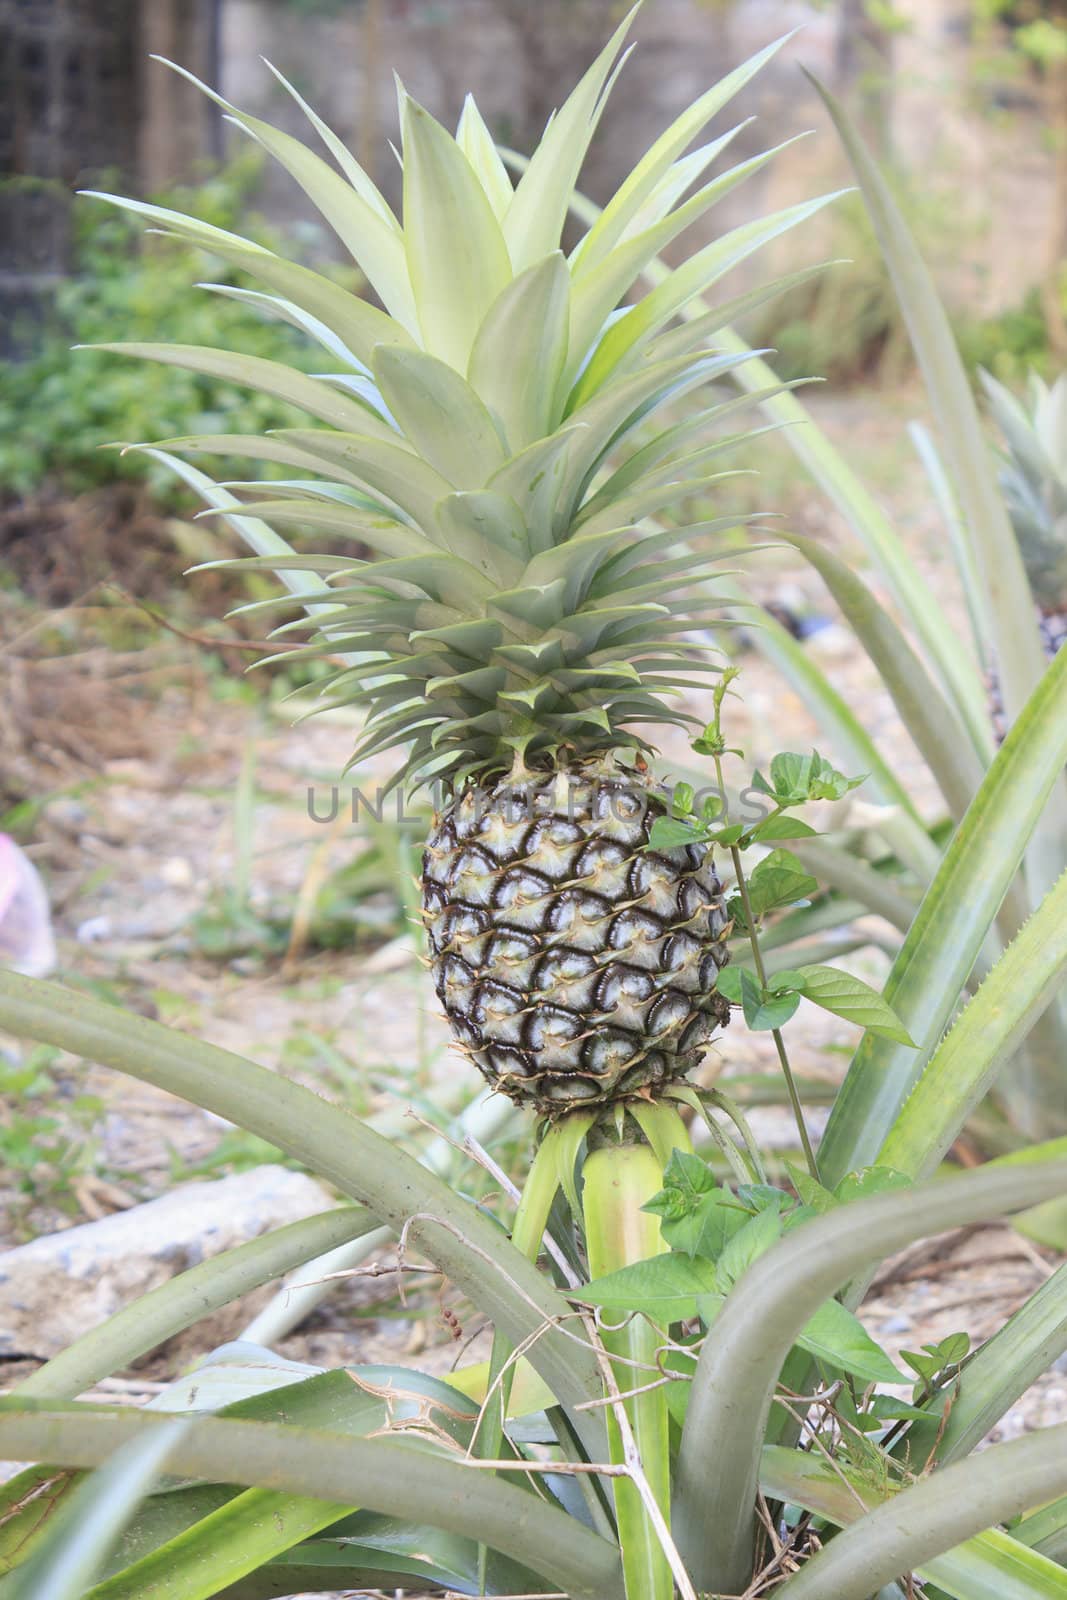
(500, 436)
(1033, 480)
(519, 628)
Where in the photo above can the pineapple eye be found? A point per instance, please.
(499, 1011)
(693, 898)
(621, 986)
(456, 982)
(519, 886)
(473, 873)
(553, 1025)
(555, 1034)
(501, 832)
(620, 813)
(638, 935)
(552, 843)
(569, 1091)
(668, 1014)
(609, 1052)
(709, 970)
(505, 1063)
(436, 863)
(606, 866)
(513, 955)
(681, 951)
(569, 976)
(697, 1034)
(520, 898)
(460, 925)
(654, 881)
(578, 919)
(622, 993)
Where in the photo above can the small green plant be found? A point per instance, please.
(47, 1137)
(1011, 343)
(778, 881)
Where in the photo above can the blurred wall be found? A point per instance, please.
(74, 104)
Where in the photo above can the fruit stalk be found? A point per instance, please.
(617, 1181)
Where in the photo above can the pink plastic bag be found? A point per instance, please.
(26, 941)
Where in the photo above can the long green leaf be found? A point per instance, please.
(625, 205)
(367, 1552)
(520, 349)
(476, 142)
(255, 1527)
(1008, 600)
(368, 230)
(383, 1474)
(468, 1247)
(443, 417)
(360, 325)
(456, 255)
(952, 516)
(596, 294)
(964, 444)
(984, 1037)
(733, 1385)
(360, 180)
(988, 1566)
(951, 926)
(1046, 1530)
(255, 534)
(382, 1554)
(77, 1544)
(916, 1527)
(930, 721)
(269, 377)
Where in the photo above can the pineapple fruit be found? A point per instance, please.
(574, 965)
(498, 435)
(1033, 480)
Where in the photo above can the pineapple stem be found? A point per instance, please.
(617, 1182)
(761, 973)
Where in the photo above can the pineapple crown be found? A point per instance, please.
(494, 435)
(1034, 479)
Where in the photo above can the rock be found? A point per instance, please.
(177, 872)
(56, 1287)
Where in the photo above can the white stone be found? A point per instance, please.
(177, 872)
(56, 1287)
(26, 940)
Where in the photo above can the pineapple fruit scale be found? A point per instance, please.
(501, 432)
